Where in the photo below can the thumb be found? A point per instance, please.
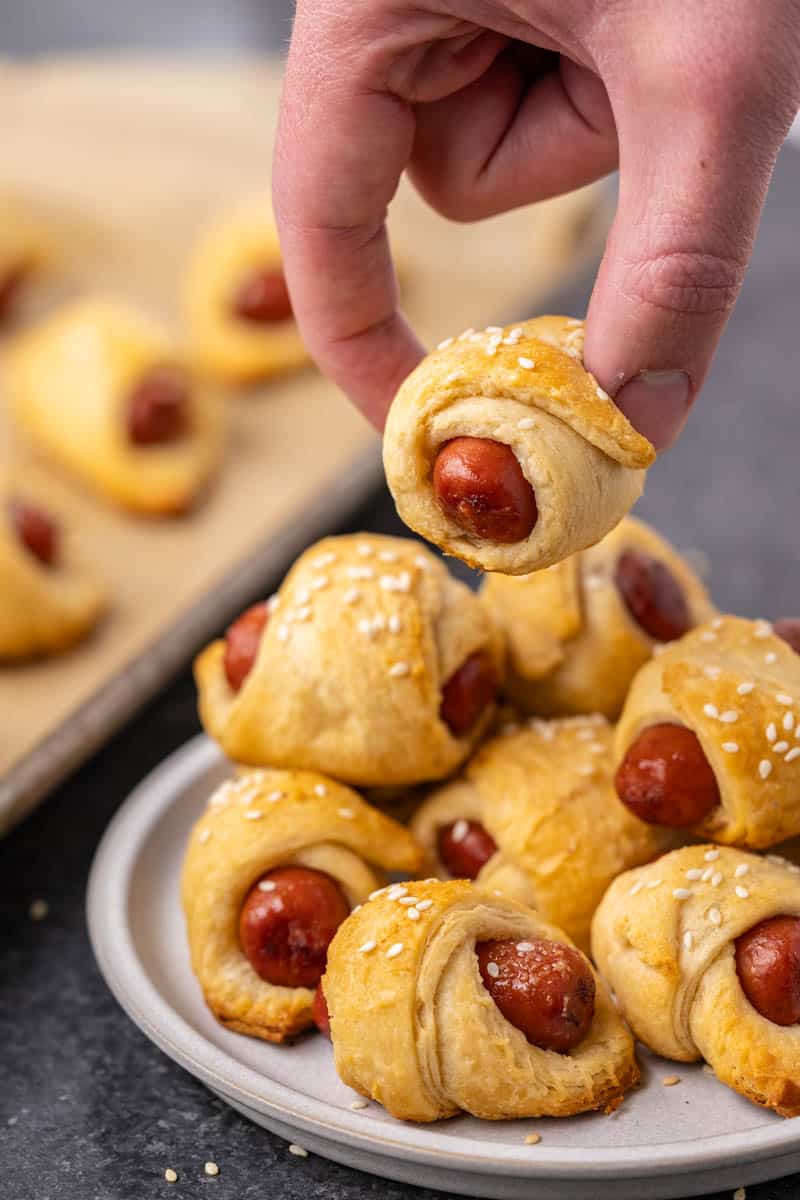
(692, 186)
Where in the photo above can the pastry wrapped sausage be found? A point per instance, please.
(503, 450)
(371, 664)
(709, 738)
(237, 306)
(49, 600)
(273, 866)
(25, 249)
(103, 391)
(702, 950)
(534, 816)
(578, 632)
(442, 997)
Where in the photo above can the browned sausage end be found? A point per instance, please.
(480, 486)
(464, 848)
(666, 779)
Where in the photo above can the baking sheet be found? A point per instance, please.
(127, 159)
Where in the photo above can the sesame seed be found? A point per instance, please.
(670, 1080)
(364, 549)
(744, 689)
(694, 873)
(319, 583)
(283, 633)
(302, 614)
(412, 914)
(443, 345)
(421, 561)
(399, 669)
(253, 814)
(780, 747)
(793, 754)
(320, 789)
(587, 769)
(424, 905)
(388, 556)
(324, 560)
(771, 732)
(712, 672)
(408, 900)
(711, 855)
(654, 883)
(211, 1168)
(360, 572)
(715, 916)
(453, 377)
(367, 947)
(711, 710)
(203, 836)
(459, 831)
(395, 583)
(170, 1175)
(303, 596)
(688, 939)
(493, 970)
(267, 885)
(637, 887)
(526, 423)
(585, 735)
(782, 698)
(357, 1105)
(352, 596)
(527, 363)
(681, 893)
(395, 624)
(493, 329)
(378, 892)
(298, 1151)
(396, 891)
(765, 768)
(533, 1139)
(708, 636)
(729, 717)
(357, 908)
(462, 337)
(394, 950)
(762, 630)
(788, 722)
(38, 910)
(730, 747)
(716, 623)
(739, 1194)
(709, 871)
(275, 796)
(742, 892)
(273, 603)
(717, 878)
(770, 657)
(346, 813)
(601, 394)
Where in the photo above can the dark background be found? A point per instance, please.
(89, 1109)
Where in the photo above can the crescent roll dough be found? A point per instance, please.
(262, 820)
(43, 609)
(736, 685)
(664, 936)
(545, 794)
(70, 382)
(364, 632)
(239, 245)
(414, 1028)
(525, 387)
(573, 645)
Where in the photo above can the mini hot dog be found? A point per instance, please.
(158, 408)
(479, 484)
(36, 529)
(262, 298)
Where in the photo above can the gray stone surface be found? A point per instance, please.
(89, 1109)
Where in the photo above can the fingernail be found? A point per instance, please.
(657, 404)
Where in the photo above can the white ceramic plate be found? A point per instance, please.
(694, 1138)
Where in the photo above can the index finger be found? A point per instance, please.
(341, 148)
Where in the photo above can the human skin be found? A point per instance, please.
(691, 101)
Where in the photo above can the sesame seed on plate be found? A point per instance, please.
(38, 910)
(170, 1175)
(715, 916)
(211, 1168)
(267, 885)
(357, 1105)
(398, 669)
(527, 363)
(670, 1080)
(744, 689)
(730, 747)
(493, 970)
(711, 855)
(711, 710)
(741, 871)
(367, 947)
(346, 813)
(459, 830)
(394, 950)
(681, 893)
(742, 892)
(765, 768)
(298, 1151)
(533, 1139)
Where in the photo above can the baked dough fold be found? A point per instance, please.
(254, 823)
(363, 634)
(736, 685)
(572, 644)
(545, 793)
(663, 937)
(583, 458)
(414, 1028)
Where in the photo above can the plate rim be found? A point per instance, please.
(125, 974)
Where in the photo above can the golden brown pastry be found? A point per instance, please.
(709, 738)
(578, 632)
(238, 309)
(371, 664)
(102, 389)
(275, 862)
(49, 600)
(702, 950)
(420, 990)
(504, 451)
(534, 815)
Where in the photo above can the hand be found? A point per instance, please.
(693, 101)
